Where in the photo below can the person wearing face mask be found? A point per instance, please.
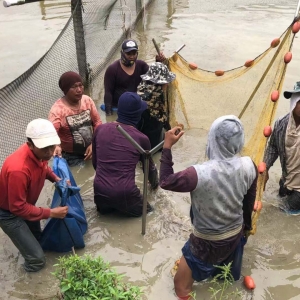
(285, 143)
(124, 75)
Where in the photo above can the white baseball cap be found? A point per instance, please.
(42, 133)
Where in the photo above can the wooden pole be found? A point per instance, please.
(76, 7)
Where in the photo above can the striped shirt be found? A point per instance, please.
(276, 145)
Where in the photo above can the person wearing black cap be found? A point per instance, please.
(124, 75)
(115, 158)
(285, 143)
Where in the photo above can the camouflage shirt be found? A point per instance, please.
(154, 96)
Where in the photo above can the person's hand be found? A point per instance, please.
(88, 153)
(58, 212)
(160, 57)
(266, 177)
(172, 136)
(108, 110)
(57, 151)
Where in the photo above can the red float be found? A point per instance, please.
(275, 43)
(267, 131)
(219, 72)
(193, 66)
(296, 27)
(275, 96)
(288, 57)
(262, 167)
(249, 63)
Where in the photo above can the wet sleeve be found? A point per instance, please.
(96, 120)
(248, 203)
(17, 199)
(271, 152)
(109, 85)
(183, 181)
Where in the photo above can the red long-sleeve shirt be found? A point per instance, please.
(21, 181)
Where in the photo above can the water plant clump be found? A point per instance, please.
(87, 278)
(221, 282)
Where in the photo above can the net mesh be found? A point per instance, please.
(196, 96)
(105, 24)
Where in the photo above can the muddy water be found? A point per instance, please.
(219, 35)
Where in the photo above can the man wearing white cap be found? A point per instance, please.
(285, 143)
(22, 178)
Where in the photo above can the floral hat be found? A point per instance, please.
(158, 73)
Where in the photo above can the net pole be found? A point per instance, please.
(76, 7)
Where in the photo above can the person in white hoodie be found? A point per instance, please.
(223, 191)
(285, 144)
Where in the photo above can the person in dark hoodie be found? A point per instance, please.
(115, 158)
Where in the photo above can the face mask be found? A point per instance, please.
(126, 62)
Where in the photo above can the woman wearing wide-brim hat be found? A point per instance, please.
(151, 90)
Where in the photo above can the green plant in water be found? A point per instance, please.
(87, 278)
(221, 282)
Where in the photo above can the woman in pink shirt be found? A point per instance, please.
(75, 118)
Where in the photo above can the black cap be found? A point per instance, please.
(129, 45)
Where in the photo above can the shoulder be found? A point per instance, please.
(142, 64)
(56, 105)
(113, 66)
(282, 120)
(87, 100)
(16, 162)
(249, 165)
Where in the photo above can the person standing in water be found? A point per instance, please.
(223, 191)
(124, 75)
(285, 143)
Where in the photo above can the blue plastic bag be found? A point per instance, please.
(61, 235)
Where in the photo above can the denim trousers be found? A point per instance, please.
(25, 235)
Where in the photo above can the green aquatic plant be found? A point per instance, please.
(221, 282)
(87, 278)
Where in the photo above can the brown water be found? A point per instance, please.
(219, 35)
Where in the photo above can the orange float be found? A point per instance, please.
(296, 27)
(288, 57)
(193, 66)
(275, 96)
(262, 167)
(249, 282)
(267, 131)
(275, 42)
(219, 73)
(249, 63)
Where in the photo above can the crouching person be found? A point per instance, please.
(115, 159)
(21, 181)
(223, 192)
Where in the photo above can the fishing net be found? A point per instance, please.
(99, 26)
(196, 96)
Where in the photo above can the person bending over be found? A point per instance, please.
(115, 160)
(22, 178)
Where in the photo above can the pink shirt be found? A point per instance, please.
(75, 127)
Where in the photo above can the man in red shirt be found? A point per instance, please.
(22, 178)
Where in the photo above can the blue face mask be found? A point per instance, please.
(126, 62)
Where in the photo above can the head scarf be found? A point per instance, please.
(294, 99)
(67, 80)
(130, 108)
(225, 138)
